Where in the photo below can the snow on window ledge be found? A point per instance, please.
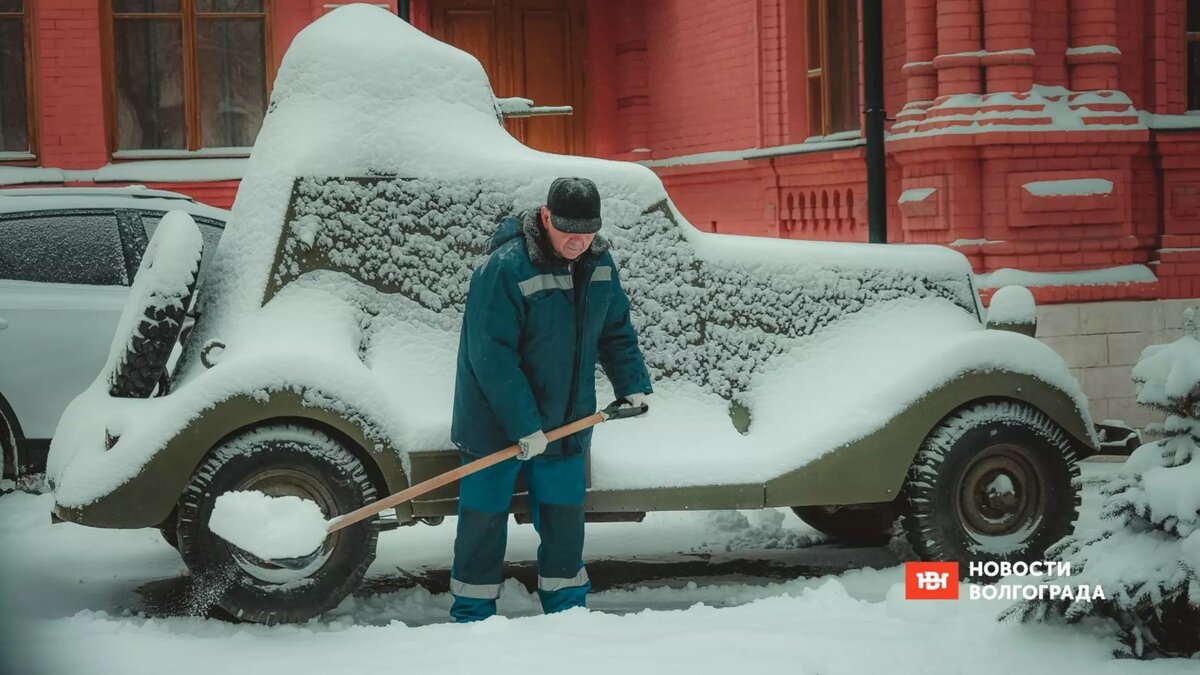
(16, 156)
(173, 170)
(919, 202)
(182, 154)
(1093, 49)
(20, 175)
(916, 195)
(1070, 187)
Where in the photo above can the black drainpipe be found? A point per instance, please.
(872, 18)
(402, 10)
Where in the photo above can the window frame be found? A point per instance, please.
(189, 22)
(1190, 79)
(819, 34)
(30, 154)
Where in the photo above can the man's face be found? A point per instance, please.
(567, 245)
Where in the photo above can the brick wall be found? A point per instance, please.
(1101, 342)
(731, 202)
(702, 62)
(70, 95)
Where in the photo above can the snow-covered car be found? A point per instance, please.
(853, 382)
(67, 258)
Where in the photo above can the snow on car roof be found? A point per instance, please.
(130, 197)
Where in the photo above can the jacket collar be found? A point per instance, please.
(541, 254)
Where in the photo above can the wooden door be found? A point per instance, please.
(529, 48)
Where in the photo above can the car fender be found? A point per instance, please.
(873, 468)
(147, 499)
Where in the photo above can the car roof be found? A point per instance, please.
(129, 197)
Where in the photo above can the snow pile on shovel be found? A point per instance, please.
(269, 527)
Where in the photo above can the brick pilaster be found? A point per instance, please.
(959, 41)
(71, 128)
(1008, 39)
(1093, 26)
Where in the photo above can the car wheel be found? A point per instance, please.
(867, 525)
(169, 530)
(8, 450)
(278, 461)
(158, 303)
(995, 481)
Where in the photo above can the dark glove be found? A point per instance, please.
(633, 401)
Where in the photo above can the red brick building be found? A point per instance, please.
(1065, 141)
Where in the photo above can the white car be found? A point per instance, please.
(67, 258)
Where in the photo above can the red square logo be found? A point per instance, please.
(931, 580)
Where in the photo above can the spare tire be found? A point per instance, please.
(158, 303)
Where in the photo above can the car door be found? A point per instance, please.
(64, 279)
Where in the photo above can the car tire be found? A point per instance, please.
(864, 525)
(9, 458)
(168, 530)
(158, 303)
(993, 482)
(277, 460)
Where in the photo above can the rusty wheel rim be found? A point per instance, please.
(1000, 493)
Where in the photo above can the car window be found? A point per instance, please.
(210, 232)
(60, 247)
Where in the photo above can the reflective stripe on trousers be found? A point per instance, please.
(477, 591)
(551, 584)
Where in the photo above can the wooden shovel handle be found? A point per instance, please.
(451, 476)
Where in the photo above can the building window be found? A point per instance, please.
(832, 59)
(14, 79)
(1193, 55)
(188, 74)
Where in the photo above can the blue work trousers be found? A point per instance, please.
(556, 492)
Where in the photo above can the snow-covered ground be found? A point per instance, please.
(76, 600)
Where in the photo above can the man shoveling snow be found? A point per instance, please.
(542, 309)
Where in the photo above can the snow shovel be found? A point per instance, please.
(613, 412)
